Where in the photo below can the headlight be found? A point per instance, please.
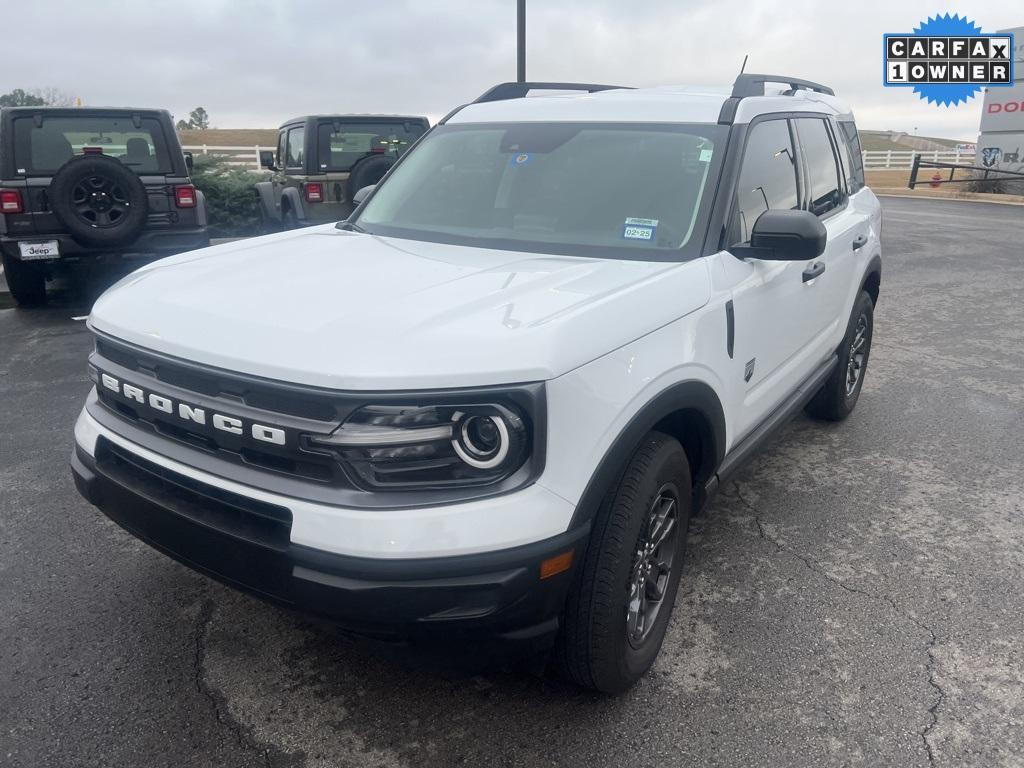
(394, 447)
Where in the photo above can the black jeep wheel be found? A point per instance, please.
(622, 596)
(99, 201)
(288, 218)
(366, 172)
(26, 281)
(840, 392)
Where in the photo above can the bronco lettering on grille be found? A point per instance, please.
(193, 414)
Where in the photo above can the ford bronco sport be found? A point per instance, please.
(321, 161)
(489, 403)
(89, 185)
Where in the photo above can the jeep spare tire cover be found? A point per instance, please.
(100, 201)
(368, 171)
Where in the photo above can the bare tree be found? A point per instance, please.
(54, 97)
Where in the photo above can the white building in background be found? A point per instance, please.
(1001, 143)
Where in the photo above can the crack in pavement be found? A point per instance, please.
(940, 698)
(217, 703)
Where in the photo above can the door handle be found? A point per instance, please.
(859, 242)
(813, 270)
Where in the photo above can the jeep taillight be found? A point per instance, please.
(185, 197)
(10, 201)
(314, 192)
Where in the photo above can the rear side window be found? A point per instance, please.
(767, 177)
(41, 149)
(855, 170)
(296, 150)
(824, 188)
(342, 145)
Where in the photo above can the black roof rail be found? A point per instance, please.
(753, 85)
(504, 91)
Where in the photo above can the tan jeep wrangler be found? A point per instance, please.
(321, 161)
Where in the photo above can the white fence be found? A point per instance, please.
(249, 157)
(887, 159)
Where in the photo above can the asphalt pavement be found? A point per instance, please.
(854, 599)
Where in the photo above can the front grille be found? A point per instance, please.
(267, 396)
(255, 521)
(258, 401)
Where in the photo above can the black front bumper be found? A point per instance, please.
(244, 543)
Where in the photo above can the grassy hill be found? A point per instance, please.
(230, 137)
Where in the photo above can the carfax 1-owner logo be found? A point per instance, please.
(948, 59)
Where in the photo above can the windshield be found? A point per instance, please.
(637, 191)
(40, 148)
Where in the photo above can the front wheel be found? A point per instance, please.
(840, 392)
(622, 596)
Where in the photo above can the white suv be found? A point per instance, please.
(488, 403)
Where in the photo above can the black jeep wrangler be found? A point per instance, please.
(81, 186)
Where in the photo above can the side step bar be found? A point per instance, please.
(746, 448)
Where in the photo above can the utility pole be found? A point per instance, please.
(521, 41)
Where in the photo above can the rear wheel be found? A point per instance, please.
(622, 597)
(27, 282)
(840, 392)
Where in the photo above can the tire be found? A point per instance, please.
(99, 201)
(288, 218)
(367, 171)
(836, 400)
(595, 648)
(27, 282)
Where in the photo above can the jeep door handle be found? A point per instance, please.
(859, 242)
(813, 270)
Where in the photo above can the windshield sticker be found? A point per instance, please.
(520, 159)
(640, 229)
(705, 155)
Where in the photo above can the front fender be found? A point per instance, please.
(598, 414)
(265, 196)
(691, 395)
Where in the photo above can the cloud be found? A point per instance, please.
(256, 63)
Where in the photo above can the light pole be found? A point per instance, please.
(521, 41)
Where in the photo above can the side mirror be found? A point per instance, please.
(786, 236)
(362, 194)
(189, 162)
(267, 159)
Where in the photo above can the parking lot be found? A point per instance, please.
(854, 599)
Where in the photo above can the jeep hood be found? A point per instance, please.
(346, 310)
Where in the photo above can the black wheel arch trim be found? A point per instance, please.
(686, 395)
(294, 202)
(874, 268)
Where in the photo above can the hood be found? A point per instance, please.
(346, 310)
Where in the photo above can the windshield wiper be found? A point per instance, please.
(350, 226)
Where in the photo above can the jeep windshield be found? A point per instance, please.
(624, 190)
(43, 146)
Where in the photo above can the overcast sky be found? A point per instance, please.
(253, 64)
